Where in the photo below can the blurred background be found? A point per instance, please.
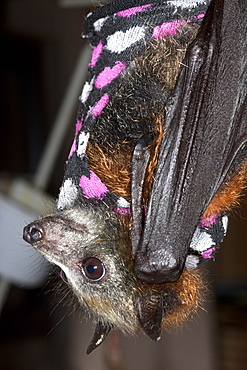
(42, 55)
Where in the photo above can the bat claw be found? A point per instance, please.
(159, 271)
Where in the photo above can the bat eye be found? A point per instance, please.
(93, 269)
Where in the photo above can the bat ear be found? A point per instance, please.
(100, 334)
(150, 313)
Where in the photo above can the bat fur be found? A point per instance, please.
(69, 238)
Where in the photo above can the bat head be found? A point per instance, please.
(93, 252)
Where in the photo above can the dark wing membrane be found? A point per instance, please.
(206, 130)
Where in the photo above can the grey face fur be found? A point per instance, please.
(92, 247)
(87, 246)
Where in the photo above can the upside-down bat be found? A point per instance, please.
(158, 160)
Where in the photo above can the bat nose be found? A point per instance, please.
(33, 233)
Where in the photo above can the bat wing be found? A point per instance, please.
(204, 140)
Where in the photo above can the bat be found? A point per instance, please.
(158, 161)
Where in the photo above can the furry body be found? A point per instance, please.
(125, 270)
(137, 109)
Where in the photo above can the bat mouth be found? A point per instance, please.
(63, 276)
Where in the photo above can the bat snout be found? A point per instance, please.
(33, 233)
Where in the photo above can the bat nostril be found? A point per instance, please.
(33, 233)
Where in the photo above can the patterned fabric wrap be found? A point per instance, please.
(118, 31)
